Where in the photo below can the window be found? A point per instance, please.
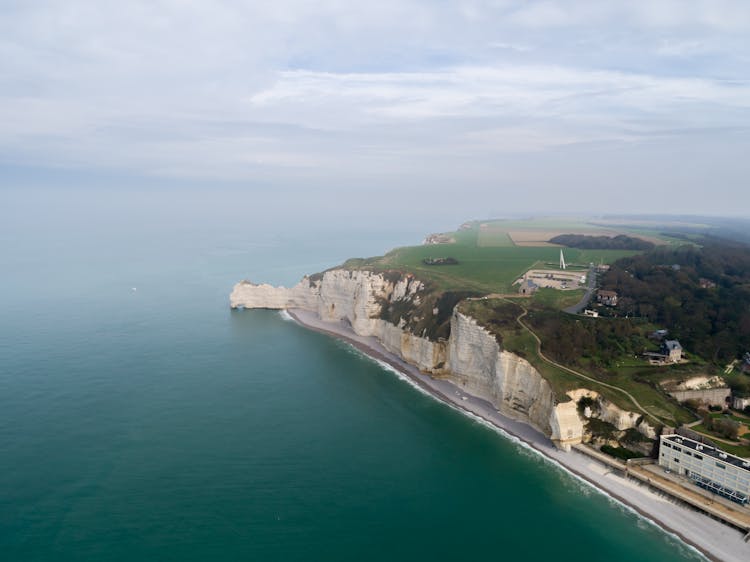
(721, 465)
(697, 456)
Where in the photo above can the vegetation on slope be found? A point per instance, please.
(700, 294)
(712, 322)
(428, 315)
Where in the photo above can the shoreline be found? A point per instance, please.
(712, 539)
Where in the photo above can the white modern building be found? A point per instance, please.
(710, 468)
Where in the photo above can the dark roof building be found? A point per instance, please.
(528, 287)
(608, 298)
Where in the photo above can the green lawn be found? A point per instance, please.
(651, 398)
(739, 450)
(719, 415)
(489, 237)
(742, 451)
(552, 298)
(488, 261)
(483, 269)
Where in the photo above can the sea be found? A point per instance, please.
(142, 419)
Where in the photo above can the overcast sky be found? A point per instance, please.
(481, 107)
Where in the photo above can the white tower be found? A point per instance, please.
(562, 260)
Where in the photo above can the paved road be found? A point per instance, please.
(584, 302)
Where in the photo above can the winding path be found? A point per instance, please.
(519, 319)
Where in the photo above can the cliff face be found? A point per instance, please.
(510, 383)
(249, 295)
(471, 357)
(354, 297)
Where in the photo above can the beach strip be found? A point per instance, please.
(711, 538)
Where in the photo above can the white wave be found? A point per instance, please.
(584, 485)
(286, 316)
(402, 376)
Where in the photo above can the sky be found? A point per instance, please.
(457, 108)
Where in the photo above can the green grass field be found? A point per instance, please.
(489, 238)
(491, 269)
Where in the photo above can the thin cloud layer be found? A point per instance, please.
(403, 93)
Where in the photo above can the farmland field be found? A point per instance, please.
(483, 268)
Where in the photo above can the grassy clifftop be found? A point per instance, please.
(483, 265)
(487, 258)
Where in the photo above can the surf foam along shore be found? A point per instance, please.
(711, 538)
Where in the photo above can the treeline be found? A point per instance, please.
(619, 242)
(585, 342)
(701, 295)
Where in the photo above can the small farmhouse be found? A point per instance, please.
(528, 287)
(672, 351)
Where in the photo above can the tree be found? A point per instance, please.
(727, 428)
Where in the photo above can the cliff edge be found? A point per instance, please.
(430, 333)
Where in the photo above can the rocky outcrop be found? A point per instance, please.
(608, 412)
(304, 294)
(471, 357)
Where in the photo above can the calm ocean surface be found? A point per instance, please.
(156, 424)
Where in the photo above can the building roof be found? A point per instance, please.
(672, 345)
(709, 450)
(608, 293)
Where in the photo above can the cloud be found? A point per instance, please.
(338, 100)
(722, 15)
(414, 91)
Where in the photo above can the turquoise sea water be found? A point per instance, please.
(156, 424)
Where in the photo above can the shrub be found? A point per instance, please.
(692, 404)
(620, 452)
(585, 402)
(727, 428)
(599, 428)
(632, 436)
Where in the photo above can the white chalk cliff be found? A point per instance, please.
(471, 357)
